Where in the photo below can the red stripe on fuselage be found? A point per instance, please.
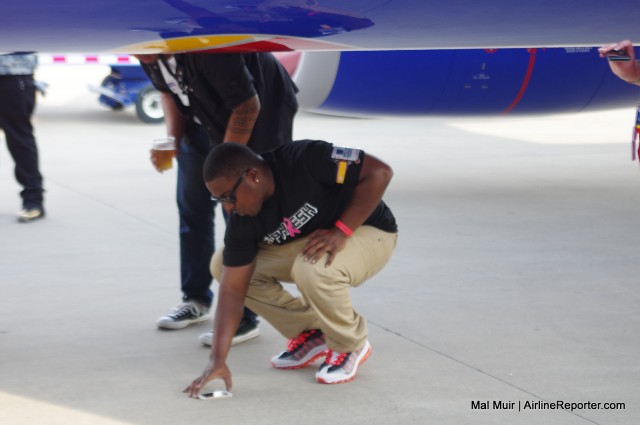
(525, 83)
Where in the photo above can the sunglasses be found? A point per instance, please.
(231, 197)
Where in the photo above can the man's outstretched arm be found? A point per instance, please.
(233, 290)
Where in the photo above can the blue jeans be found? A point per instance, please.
(197, 215)
(17, 101)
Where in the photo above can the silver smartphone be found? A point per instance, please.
(215, 394)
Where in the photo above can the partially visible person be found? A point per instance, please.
(17, 103)
(309, 213)
(209, 99)
(622, 61)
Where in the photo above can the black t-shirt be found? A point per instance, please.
(218, 82)
(307, 197)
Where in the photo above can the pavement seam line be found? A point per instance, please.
(440, 353)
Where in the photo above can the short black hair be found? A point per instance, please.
(229, 160)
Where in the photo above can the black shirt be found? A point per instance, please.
(307, 197)
(218, 82)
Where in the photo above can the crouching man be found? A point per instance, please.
(309, 213)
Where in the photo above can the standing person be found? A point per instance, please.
(309, 213)
(209, 99)
(627, 70)
(17, 102)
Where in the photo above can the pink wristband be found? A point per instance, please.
(343, 227)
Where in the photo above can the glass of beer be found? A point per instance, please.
(164, 149)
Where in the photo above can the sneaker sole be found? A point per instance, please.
(236, 339)
(181, 324)
(30, 220)
(301, 365)
(245, 337)
(353, 374)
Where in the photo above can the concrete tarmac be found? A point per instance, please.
(515, 280)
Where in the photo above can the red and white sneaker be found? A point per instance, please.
(301, 350)
(342, 367)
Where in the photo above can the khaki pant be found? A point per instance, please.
(325, 303)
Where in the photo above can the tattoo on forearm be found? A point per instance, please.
(242, 120)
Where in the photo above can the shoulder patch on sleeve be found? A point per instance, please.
(344, 157)
(345, 154)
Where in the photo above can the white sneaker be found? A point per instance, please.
(28, 215)
(342, 367)
(184, 315)
(301, 350)
(246, 331)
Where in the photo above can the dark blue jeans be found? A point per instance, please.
(197, 214)
(17, 101)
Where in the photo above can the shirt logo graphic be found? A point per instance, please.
(288, 225)
(291, 226)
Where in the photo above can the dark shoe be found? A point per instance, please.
(342, 367)
(301, 350)
(185, 314)
(246, 331)
(27, 215)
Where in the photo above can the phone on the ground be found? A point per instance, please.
(215, 394)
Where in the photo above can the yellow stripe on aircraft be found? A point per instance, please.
(186, 44)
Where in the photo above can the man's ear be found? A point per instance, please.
(253, 174)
